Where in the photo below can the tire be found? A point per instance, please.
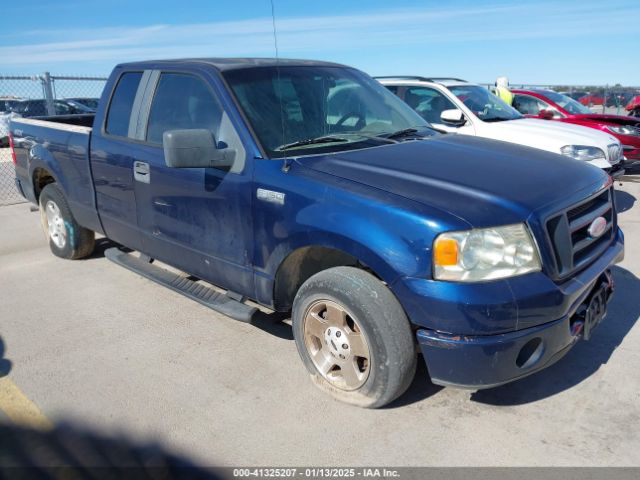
(66, 238)
(345, 302)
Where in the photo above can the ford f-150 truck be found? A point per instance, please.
(307, 187)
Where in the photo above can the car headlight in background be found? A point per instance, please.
(484, 254)
(583, 152)
(624, 130)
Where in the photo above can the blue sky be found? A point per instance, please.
(535, 41)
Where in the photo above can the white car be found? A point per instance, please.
(458, 106)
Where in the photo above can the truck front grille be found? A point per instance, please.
(573, 246)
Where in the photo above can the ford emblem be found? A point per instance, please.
(597, 227)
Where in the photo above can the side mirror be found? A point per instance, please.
(453, 117)
(546, 114)
(195, 148)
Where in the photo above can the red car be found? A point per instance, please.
(550, 105)
(633, 107)
(592, 99)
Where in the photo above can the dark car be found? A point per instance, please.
(7, 105)
(577, 95)
(38, 108)
(89, 102)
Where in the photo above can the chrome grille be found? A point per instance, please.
(573, 246)
(615, 153)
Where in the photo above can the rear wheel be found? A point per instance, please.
(67, 239)
(354, 337)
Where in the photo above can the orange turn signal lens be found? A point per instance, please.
(445, 252)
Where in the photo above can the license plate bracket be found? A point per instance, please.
(596, 310)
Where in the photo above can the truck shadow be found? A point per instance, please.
(624, 201)
(103, 244)
(584, 359)
(5, 364)
(421, 388)
(73, 451)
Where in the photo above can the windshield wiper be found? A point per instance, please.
(311, 141)
(405, 132)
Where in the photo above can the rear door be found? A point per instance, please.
(113, 152)
(197, 219)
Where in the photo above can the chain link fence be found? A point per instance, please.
(32, 96)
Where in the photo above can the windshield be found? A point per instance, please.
(567, 103)
(305, 110)
(484, 104)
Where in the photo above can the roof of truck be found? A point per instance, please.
(223, 64)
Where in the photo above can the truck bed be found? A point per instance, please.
(59, 145)
(61, 121)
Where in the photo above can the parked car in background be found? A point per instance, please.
(91, 103)
(633, 107)
(618, 99)
(576, 94)
(310, 189)
(593, 99)
(7, 104)
(458, 106)
(550, 105)
(38, 108)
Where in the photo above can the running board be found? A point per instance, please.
(207, 296)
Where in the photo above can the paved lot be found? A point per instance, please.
(95, 344)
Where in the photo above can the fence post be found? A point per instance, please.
(48, 93)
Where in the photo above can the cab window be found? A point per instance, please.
(182, 101)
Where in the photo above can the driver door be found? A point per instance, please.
(196, 219)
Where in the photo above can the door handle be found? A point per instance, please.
(141, 172)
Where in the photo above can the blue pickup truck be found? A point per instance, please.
(307, 187)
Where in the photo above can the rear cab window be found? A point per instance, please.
(121, 105)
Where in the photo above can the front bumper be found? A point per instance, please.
(632, 152)
(486, 360)
(616, 171)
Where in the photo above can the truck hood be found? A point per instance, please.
(545, 135)
(481, 181)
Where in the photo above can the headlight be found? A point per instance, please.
(582, 152)
(624, 130)
(484, 254)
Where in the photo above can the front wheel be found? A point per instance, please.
(67, 239)
(354, 337)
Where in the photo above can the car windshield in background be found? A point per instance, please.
(566, 102)
(484, 104)
(309, 110)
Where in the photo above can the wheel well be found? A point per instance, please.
(41, 178)
(302, 264)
